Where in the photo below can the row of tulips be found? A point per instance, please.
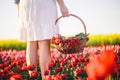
(94, 63)
(13, 66)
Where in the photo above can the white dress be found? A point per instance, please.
(37, 20)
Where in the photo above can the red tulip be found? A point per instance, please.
(6, 63)
(1, 66)
(57, 77)
(46, 72)
(100, 65)
(50, 65)
(34, 75)
(63, 76)
(64, 62)
(78, 71)
(19, 62)
(59, 69)
(57, 41)
(16, 77)
(31, 67)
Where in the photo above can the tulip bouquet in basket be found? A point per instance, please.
(68, 45)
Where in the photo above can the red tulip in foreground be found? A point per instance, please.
(100, 65)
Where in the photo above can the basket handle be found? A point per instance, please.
(85, 32)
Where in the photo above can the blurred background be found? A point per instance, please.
(100, 17)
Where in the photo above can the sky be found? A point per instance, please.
(99, 16)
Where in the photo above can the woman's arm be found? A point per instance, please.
(17, 6)
(64, 10)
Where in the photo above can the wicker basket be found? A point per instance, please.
(77, 47)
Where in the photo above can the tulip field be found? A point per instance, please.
(99, 60)
(94, 63)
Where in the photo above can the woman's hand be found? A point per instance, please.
(64, 10)
(17, 5)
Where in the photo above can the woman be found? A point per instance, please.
(37, 27)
